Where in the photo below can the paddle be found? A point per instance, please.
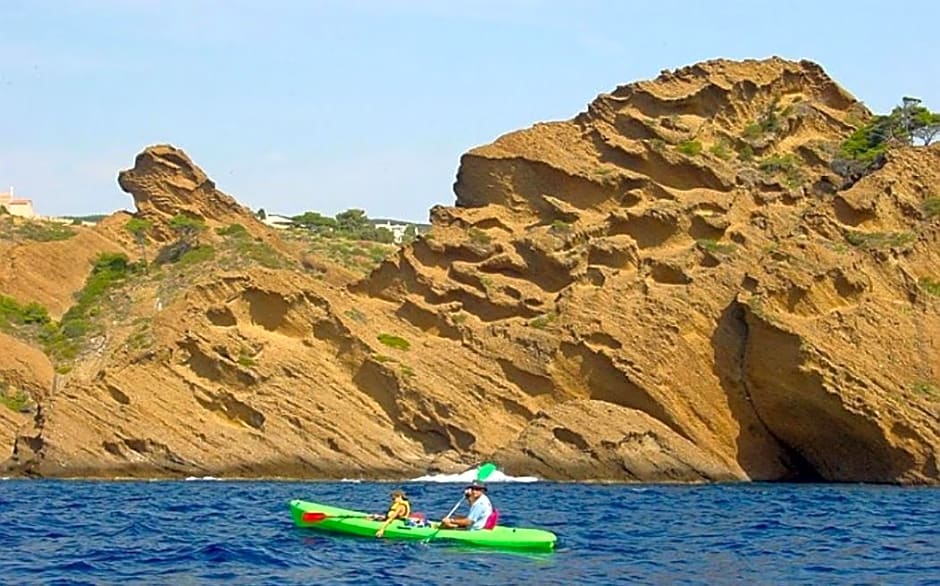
(314, 517)
(483, 472)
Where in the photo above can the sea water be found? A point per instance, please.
(210, 531)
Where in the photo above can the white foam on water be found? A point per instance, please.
(199, 478)
(471, 475)
(351, 480)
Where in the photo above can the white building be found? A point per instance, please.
(17, 206)
(279, 222)
(397, 230)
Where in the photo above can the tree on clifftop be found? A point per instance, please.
(315, 222)
(922, 123)
(352, 222)
(864, 150)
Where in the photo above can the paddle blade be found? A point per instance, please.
(485, 470)
(313, 517)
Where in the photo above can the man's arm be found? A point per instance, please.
(456, 522)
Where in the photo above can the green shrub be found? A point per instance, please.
(690, 147)
(478, 236)
(233, 230)
(57, 345)
(541, 322)
(715, 247)
(393, 341)
(196, 255)
(777, 163)
(16, 401)
(13, 313)
(355, 315)
(45, 231)
(768, 123)
(756, 304)
(746, 153)
(929, 285)
(142, 337)
(878, 240)
(752, 131)
(931, 207)
(186, 227)
(788, 165)
(865, 144)
(560, 227)
(720, 150)
(262, 254)
(925, 388)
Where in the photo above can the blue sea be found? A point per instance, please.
(240, 532)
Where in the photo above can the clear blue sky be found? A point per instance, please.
(330, 105)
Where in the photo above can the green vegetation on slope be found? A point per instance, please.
(14, 314)
(17, 400)
(63, 340)
(33, 230)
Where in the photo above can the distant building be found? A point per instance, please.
(279, 222)
(397, 230)
(17, 206)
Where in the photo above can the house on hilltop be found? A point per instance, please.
(279, 222)
(397, 230)
(17, 206)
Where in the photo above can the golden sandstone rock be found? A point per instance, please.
(672, 286)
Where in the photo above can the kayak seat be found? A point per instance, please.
(491, 520)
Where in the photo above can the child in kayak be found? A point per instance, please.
(399, 508)
(481, 510)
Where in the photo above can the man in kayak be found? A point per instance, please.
(480, 510)
(399, 508)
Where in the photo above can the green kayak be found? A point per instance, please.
(335, 520)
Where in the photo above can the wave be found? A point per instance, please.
(200, 478)
(471, 475)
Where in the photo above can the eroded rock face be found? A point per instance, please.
(603, 441)
(24, 367)
(622, 255)
(24, 372)
(669, 287)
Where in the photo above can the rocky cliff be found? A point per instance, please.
(672, 286)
